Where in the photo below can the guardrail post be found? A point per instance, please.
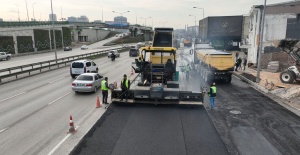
(21, 68)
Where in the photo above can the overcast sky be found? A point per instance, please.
(174, 13)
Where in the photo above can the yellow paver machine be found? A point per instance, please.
(157, 81)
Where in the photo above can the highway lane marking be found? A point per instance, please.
(30, 90)
(61, 142)
(12, 96)
(59, 98)
(57, 80)
(3, 130)
(34, 112)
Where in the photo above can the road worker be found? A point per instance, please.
(104, 88)
(125, 85)
(187, 70)
(212, 94)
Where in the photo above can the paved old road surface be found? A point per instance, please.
(262, 127)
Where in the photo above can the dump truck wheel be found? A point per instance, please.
(228, 80)
(287, 77)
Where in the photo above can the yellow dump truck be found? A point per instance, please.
(214, 65)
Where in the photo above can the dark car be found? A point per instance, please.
(133, 52)
(68, 48)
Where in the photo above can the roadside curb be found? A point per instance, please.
(266, 92)
(251, 82)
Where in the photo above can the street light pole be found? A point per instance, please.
(18, 12)
(135, 18)
(27, 10)
(102, 14)
(195, 19)
(152, 23)
(261, 42)
(33, 11)
(53, 32)
(145, 20)
(195, 22)
(121, 14)
(145, 26)
(202, 21)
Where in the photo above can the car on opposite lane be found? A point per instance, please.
(68, 48)
(4, 56)
(87, 82)
(84, 47)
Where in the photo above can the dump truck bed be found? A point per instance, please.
(216, 59)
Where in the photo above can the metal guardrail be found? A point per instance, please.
(31, 23)
(19, 70)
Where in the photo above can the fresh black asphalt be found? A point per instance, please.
(149, 129)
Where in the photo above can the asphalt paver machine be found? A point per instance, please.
(157, 81)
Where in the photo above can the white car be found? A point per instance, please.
(87, 82)
(4, 56)
(84, 47)
(83, 66)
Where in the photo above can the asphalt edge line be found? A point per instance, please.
(61, 142)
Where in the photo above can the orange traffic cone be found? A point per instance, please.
(98, 105)
(72, 128)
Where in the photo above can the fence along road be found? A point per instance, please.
(40, 66)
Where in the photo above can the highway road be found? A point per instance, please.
(34, 119)
(244, 121)
(23, 60)
(34, 112)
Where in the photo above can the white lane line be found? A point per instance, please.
(59, 98)
(12, 96)
(3, 130)
(56, 80)
(61, 142)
